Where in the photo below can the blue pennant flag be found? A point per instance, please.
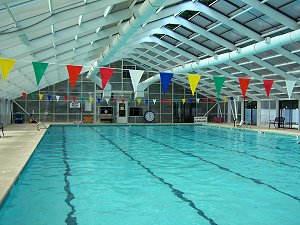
(99, 100)
(165, 79)
(49, 97)
(146, 100)
(191, 100)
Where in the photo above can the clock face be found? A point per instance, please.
(149, 116)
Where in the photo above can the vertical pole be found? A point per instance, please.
(258, 113)
(298, 114)
(172, 102)
(68, 94)
(95, 105)
(243, 110)
(229, 106)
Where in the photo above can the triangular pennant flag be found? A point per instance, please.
(290, 84)
(115, 100)
(99, 100)
(211, 100)
(197, 100)
(205, 100)
(74, 73)
(225, 99)
(49, 97)
(176, 101)
(169, 101)
(32, 95)
(123, 100)
(165, 79)
(268, 85)
(66, 97)
(183, 101)
(154, 101)
(135, 77)
(57, 97)
(139, 101)
(193, 80)
(146, 101)
(107, 100)
(91, 99)
(162, 100)
(105, 74)
(190, 100)
(39, 70)
(219, 81)
(6, 66)
(244, 82)
(74, 98)
(41, 97)
(82, 98)
(231, 98)
(24, 94)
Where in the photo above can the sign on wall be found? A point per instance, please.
(87, 106)
(75, 105)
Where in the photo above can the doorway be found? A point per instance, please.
(122, 112)
(289, 110)
(251, 113)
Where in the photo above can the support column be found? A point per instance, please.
(229, 112)
(258, 113)
(277, 108)
(242, 110)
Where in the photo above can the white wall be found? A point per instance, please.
(5, 111)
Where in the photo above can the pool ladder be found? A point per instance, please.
(41, 124)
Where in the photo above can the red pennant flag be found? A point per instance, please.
(169, 101)
(74, 98)
(204, 100)
(24, 94)
(268, 85)
(74, 73)
(105, 74)
(123, 100)
(244, 82)
(162, 101)
(66, 97)
(115, 100)
(211, 100)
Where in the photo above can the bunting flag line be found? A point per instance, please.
(98, 100)
(107, 100)
(268, 85)
(219, 81)
(74, 73)
(154, 101)
(197, 100)
(290, 84)
(183, 101)
(139, 101)
(115, 100)
(91, 99)
(162, 101)
(57, 97)
(6, 66)
(74, 98)
(194, 80)
(165, 79)
(225, 99)
(211, 100)
(190, 100)
(82, 98)
(231, 98)
(146, 101)
(24, 94)
(123, 100)
(49, 97)
(66, 97)
(135, 76)
(41, 97)
(39, 70)
(32, 95)
(169, 101)
(105, 74)
(204, 100)
(244, 83)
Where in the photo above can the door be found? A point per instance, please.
(289, 110)
(250, 113)
(122, 112)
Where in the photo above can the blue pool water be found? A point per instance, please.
(157, 175)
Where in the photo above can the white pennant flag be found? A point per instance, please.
(154, 101)
(197, 100)
(57, 97)
(290, 84)
(135, 77)
(107, 100)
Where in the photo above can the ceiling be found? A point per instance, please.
(174, 34)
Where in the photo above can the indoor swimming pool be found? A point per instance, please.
(157, 175)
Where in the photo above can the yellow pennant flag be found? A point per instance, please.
(6, 66)
(193, 80)
(183, 101)
(41, 96)
(91, 100)
(225, 99)
(139, 101)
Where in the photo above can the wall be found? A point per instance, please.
(5, 111)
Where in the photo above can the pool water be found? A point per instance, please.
(157, 175)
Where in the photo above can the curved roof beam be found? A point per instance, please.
(148, 8)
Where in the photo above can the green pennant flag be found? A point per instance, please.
(82, 98)
(39, 70)
(32, 95)
(219, 80)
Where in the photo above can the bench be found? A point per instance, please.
(278, 121)
(2, 129)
